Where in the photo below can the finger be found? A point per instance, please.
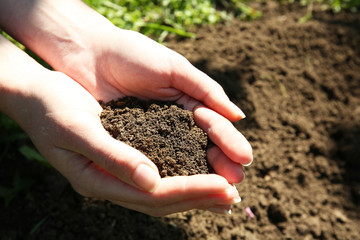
(200, 86)
(220, 131)
(91, 180)
(175, 194)
(224, 135)
(206, 202)
(170, 190)
(178, 188)
(224, 166)
(126, 163)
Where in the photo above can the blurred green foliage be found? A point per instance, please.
(159, 17)
(31, 154)
(7, 123)
(335, 5)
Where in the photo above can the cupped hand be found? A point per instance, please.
(121, 63)
(62, 119)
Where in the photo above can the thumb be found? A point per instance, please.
(117, 158)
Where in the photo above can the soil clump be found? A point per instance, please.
(163, 131)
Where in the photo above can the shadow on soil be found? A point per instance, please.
(347, 139)
(234, 82)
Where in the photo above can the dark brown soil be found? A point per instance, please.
(164, 132)
(299, 85)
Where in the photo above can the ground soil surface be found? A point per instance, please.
(299, 85)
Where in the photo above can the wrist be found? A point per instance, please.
(19, 77)
(53, 29)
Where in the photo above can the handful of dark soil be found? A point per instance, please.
(163, 131)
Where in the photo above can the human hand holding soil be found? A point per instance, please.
(62, 120)
(111, 63)
(143, 68)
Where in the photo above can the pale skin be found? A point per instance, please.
(94, 61)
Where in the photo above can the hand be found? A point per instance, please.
(62, 120)
(111, 63)
(128, 63)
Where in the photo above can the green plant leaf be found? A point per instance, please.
(32, 154)
(7, 123)
(38, 225)
(305, 18)
(172, 16)
(170, 29)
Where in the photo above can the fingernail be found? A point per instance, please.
(242, 114)
(220, 211)
(248, 164)
(233, 195)
(146, 178)
(239, 111)
(237, 200)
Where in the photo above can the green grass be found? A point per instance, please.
(160, 17)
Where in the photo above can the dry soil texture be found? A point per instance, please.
(163, 131)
